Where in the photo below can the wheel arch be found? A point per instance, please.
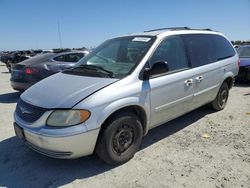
(136, 109)
(229, 79)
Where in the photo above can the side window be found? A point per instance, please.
(60, 58)
(223, 48)
(79, 56)
(73, 57)
(172, 51)
(200, 48)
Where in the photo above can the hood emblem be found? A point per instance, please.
(24, 110)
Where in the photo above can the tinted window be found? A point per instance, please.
(60, 58)
(172, 51)
(223, 47)
(73, 57)
(200, 48)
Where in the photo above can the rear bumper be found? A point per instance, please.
(64, 147)
(21, 86)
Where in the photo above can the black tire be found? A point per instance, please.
(220, 101)
(120, 139)
(8, 64)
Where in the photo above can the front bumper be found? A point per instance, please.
(65, 147)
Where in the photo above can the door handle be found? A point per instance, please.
(189, 82)
(199, 78)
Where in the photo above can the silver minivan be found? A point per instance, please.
(123, 88)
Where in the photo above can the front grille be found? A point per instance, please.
(55, 154)
(28, 112)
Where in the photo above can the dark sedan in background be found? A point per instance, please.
(13, 57)
(30, 71)
(244, 72)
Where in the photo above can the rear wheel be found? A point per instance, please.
(220, 101)
(120, 140)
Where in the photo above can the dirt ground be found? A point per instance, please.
(201, 149)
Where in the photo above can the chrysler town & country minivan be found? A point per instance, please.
(122, 89)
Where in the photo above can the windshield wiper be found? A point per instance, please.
(95, 68)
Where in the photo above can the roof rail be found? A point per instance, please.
(168, 28)
(206, 29)
(177, 28)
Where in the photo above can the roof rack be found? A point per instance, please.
(206, 29)
(177, 28)
(168, 28)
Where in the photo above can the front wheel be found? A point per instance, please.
(120, 140)
(220, 101)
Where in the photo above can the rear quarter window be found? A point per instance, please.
(223, 47)
(204, 49)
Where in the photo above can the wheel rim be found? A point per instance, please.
(123, 139)
(223, 98)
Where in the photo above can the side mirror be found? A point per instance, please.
(159, 67)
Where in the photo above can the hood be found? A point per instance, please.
(244, 62)
(63, 90)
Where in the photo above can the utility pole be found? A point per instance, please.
(59, 34)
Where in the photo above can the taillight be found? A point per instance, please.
(239, 62)
(30, 71)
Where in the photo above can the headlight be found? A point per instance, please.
(67, 117)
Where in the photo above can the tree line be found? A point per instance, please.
(240, 42)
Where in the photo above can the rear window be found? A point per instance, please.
(244, 52)
(204, 49)
(39, 58)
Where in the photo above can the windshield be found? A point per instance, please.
(117, 57)
(244, 52)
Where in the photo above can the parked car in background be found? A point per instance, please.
(46, 51)
(30, 71)
(1, 54)
(123, 88)
(236, 46)
(14, 57)
(244, 72)
(4, 56)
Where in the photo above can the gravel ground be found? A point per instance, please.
(200, 149)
